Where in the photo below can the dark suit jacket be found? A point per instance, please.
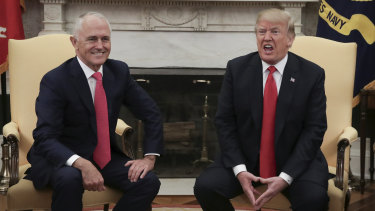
(66, 116)
(300, 117)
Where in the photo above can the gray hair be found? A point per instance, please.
(78, 24)
(274, 15)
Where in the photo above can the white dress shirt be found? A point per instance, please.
(277, 76)
(92, 84)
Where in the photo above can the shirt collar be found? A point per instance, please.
(88, 71)
(280, 66)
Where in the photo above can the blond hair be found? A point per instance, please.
(275, 15)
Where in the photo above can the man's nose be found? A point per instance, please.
(267, 35)
(99, 43)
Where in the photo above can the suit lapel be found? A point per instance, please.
(286, 94)
(256, 90)
(82, 88)
(108, 83)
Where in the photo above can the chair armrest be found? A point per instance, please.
(10, 157)
(348, 136)
(125, 131)
(11, 129)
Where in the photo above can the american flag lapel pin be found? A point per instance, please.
(292, 79)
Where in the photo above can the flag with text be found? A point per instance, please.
(10, 27)
(352, 21)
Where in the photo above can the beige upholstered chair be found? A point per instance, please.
(29, 60)
(338, 60)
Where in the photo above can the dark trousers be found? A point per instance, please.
(216, 185)
(68, 187)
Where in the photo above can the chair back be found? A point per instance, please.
(29, 60)
(338, 60)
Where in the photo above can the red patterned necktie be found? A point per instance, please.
(267, 162)
(102, 153)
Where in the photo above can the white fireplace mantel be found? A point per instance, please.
(180, 33)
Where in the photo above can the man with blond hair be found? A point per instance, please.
(271, 120)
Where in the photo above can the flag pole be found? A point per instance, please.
(3, 98)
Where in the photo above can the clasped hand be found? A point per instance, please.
(274, 186)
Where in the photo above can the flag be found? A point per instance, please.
(10, 27)
(352, 21)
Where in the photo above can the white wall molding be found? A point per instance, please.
(53, 16)
(163, 15)
(191, 33)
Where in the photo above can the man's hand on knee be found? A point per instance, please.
(139, 168)
(92, 179)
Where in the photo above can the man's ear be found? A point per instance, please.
(73, 41)
(290, 40)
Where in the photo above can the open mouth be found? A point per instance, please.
(268, 48)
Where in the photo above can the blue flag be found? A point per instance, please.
(352, 21)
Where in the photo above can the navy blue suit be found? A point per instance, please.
(66, 122)
(300, 125)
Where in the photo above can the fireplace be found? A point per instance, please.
(187, 98)
(178, 50)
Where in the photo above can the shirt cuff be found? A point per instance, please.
(156, 154)
(288, 179)
(72, 159)
(238, 169)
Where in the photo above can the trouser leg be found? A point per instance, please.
(139, 195)
(215, 187)
(307, 196)
(67, 189)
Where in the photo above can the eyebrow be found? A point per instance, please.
(94, 36)
(276, 27)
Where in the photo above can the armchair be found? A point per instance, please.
(338, 60)
(29, 60)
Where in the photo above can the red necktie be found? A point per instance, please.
(102, 153)
(267, 163)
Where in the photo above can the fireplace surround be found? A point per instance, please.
(172, 33)
(177, 50)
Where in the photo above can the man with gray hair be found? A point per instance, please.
(77, 109)
(271, 120)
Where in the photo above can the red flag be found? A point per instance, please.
(10, 27)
